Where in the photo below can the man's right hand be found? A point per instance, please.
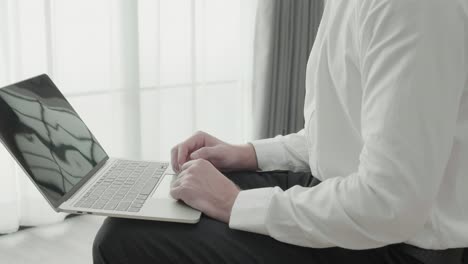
(224, 156)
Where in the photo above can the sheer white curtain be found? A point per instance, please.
(142, 74)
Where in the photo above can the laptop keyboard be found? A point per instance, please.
(124, 187)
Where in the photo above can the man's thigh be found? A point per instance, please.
(282, 179)
(210, 241)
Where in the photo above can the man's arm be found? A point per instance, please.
(283, 153)
(223, 156)
(198, 160)
(413, 68)
(279, 153)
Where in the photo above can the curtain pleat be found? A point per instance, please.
(285, 32)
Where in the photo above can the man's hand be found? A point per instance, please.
(224, 156)
(203, 187)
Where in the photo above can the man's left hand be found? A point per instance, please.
(204, 188)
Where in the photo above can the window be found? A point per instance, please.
(143, 75)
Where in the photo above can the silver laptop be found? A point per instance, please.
(70, 168)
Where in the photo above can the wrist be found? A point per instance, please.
(247, 158)
(226, 210)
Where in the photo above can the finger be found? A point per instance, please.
(205, 153)
(177, 180)
(182, 154)
(195, 142)
(175, 193)
(175, 183)
(187, 165)
(174, 161)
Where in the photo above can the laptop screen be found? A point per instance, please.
(47, 137)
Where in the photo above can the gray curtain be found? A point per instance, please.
(284, 35)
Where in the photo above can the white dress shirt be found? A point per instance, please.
(386, 132)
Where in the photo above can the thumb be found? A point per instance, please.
(205, 153)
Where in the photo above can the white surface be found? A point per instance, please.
(66, 242)
(164, 187)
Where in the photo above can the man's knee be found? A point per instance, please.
(134, 241)
(108, 242)
(137, 241)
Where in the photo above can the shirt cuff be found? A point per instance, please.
(250, 210)
(270, 154)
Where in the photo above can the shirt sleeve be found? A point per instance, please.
(413, 76)
(283, 153)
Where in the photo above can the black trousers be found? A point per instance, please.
(210, 241)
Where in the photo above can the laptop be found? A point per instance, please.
(69, 167)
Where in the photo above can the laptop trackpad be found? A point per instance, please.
(164, 187)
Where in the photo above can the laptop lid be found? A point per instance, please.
(47, 138)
